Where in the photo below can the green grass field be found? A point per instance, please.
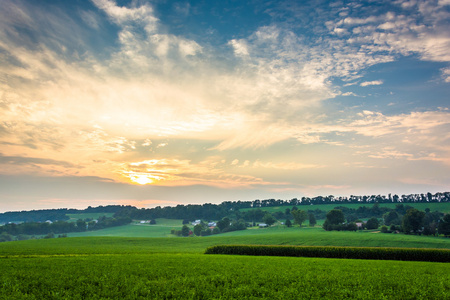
(83, 216)
(135, 229)
(276, 235)
(176, 268)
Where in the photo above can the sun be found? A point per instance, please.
(141, 179)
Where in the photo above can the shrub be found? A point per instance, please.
(409, 254)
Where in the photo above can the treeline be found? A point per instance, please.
(210, 211)
(232, 209)
(54, 214)
(28, 230)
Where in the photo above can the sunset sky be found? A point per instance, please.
(173, 102)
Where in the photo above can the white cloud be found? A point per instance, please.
(446, 74)
(375, 82)
(240, 47)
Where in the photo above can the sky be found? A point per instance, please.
(160, 103)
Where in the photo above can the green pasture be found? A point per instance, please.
(84, 216)
(276, 235)
(196, 245)
(442, 207)
(162, 228)
(176, 268)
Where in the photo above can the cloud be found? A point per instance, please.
(375, 82)
(240, 47)
(416, 27)
(173, 172)
(284, 166)
(19, 160)
(97, 106)
(446, 74)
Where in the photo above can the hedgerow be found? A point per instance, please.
(376, 253)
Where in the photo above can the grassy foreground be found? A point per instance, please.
(176, 268)
(191, 276)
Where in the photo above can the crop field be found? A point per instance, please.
(176, 268)
(142, 261)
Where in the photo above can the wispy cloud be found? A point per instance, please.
(375, 82)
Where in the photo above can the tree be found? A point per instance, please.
(81, 225)
(5, 237)
(206, 231)
(198, 229)
(335, 217)
(185, 221)
(288, 223)
(223, 224)
(444, 225)
(391, 218)
(372, 223)
(352, 226)
(269, 219)
(312, 220)
(152, 222)
(185, 230)
(413, 221)
(299, 216)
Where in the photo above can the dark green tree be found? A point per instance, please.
(335, 217)
(198, 229)
(185, 230)
(223, 224)
(269, 219)
(288, 223)
(444, 225)
(413, 221)
(81, 225)
(352, 227)
(372, 223)
(206, 231)
(391, 218)
(5, 237)
(312, 220)
(299, 216)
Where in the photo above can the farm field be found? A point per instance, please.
(160, 268)
(276, 235)
(142, 261)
